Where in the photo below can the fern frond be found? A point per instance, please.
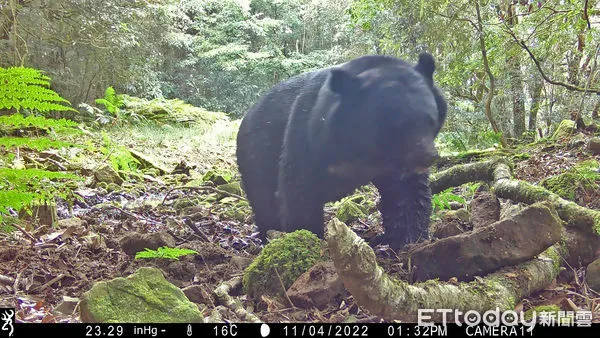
(38, 144)
(28, 88)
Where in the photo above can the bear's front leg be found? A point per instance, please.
(300, 205)
(405, 207)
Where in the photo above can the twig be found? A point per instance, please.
(52, 281)
(284, 290)
(213, 189)
(33, 239)
(108, 206)
(6, 280)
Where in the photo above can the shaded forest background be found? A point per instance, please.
(507, 67)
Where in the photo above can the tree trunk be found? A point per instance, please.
(518, 96)
(515, 76)
(486, 65)
(536, 102)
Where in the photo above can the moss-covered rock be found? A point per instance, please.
(144, 297)
(287, 257)
(218, 176)
(583, 176)
(106, 174)
(592, 276)
(565, 129)
(182, 203)
(232, 188)
(350, 211)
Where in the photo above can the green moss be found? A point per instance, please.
(564, 185)
(144, 297)
(350, 211)
(583, 176)
(291, 255)
(218, 176)
(565, 129)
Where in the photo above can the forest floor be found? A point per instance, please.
(65, 261)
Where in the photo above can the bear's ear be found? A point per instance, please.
(342, 82)
(426, 65)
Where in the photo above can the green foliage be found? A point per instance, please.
(111, 101)
(114, 114)
(26, 88)
(18, 121)
(456, 141)
(287, 257)
(441, 201)
(170, 111)
(38, 144)
(22, 187)
(164, 253)
(119, 157)
(218, 176)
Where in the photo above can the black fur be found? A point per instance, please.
(318, 136)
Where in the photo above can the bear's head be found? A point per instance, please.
(386, 116)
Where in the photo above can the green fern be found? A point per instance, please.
(120, 158)
(27, 88)
(442, 200)
(17, 121)
(22, 187)
(38, 144)
(164, 252)
(111, 101)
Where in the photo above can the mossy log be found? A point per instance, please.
(497, 172)
(393, 299)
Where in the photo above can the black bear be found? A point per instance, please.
(318, 136)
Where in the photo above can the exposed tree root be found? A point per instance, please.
(393, 299)
(224, 298)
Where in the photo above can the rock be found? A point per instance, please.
(485, 209)
(509, 210)
(461, 215)
(106, 174)
(443, 229)
(197, 294)
(507, 242)
(181, 271)
(565, 129)
(592, 275)
(144, 297)
(135, 242)
(594, 146)
(218, 176)
(582, 247)
(452, 223)
(318, 287)
(232, 188)
(71, 222)
(282, 261)
(147, 163)
(43, 213)
(67, 306)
